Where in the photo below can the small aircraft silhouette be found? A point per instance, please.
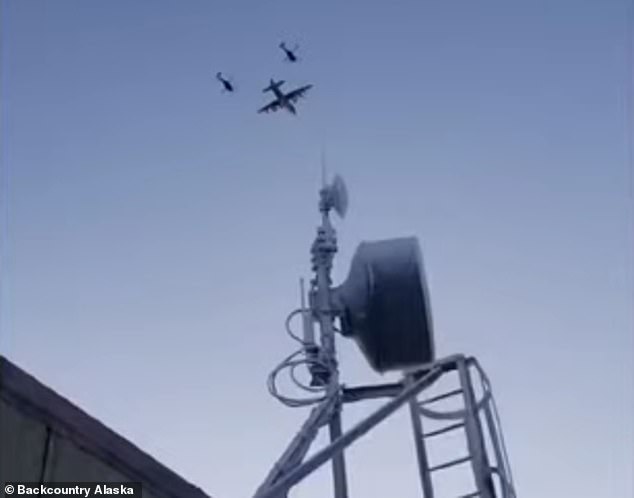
(227, 86)
(283, 100)
(290, 54)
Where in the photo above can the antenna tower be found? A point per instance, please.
(384, 306)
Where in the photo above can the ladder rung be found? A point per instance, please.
(444, 429)
(450, 464)
(440, 396)
(471, 495)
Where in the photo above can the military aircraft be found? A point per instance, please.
(283, 100)
(290, 54)
(226, 84)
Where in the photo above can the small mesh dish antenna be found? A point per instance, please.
(339, 193)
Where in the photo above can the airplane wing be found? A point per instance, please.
(298, 93)
(272, 107)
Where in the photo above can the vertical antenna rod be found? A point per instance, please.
(323, 168)
(309, 330)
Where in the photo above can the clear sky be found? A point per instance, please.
(154, 229)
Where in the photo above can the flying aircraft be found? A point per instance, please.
(283, 100)
(290, 54)
(227, 86)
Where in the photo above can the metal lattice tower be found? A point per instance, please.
(475, 418)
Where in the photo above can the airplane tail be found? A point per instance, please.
(273, 85)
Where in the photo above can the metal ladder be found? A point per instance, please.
(473, 417)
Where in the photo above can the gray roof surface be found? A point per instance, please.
(33, 398)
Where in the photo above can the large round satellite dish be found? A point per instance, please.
(384, 305)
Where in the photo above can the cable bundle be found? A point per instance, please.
(291, 363)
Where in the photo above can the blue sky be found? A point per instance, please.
(154, 229)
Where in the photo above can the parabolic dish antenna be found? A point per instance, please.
(339, 196)
(384, 305)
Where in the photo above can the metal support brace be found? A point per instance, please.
(336, 447)
(299, 446)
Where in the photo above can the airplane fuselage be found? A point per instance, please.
(281, 98)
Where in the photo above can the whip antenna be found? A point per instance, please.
(323, 167)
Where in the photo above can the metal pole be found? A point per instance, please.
(324, 250)
(338, 461)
